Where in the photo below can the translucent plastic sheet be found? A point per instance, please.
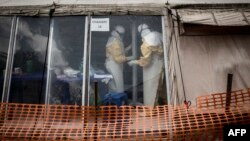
(58, 122)
(207, 60)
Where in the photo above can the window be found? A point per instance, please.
(28, 73)
(66, 60)
(127, 61)
(124, 57)
(5, 28)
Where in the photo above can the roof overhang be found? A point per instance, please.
(212, 12)
(82, 7)
(215, 14)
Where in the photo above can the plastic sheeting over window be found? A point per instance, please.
(5, 28)
(128, 60)
(66, 60)
(28, 73)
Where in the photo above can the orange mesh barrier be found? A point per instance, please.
(58, 122)
(218, 100)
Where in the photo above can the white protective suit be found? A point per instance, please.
(115, 57)
(152, 63)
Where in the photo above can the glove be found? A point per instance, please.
(132, 62)
(70, 72)
(105, 80)
(128, 48)
(130, 58)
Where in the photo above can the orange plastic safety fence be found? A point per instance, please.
(218, 100)
(72, 122)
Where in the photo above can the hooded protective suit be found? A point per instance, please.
(115, 57)
(152, 63)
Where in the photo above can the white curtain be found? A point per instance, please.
(206, 61)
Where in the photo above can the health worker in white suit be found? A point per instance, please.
(151, 61)
(115, 57)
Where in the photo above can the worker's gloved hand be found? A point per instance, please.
(130, 58)
(129, 47)
(70, 72)
(132, 62)
(105, 80)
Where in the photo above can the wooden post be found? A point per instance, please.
(166, 28)
(96, 108)
(96, 93)
(229, 89)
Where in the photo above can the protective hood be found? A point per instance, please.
(153, 38)
(114, 35)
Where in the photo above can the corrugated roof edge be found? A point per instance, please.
(111, 9)
(83, 9)
(210, 6)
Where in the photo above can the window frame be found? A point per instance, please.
(86, 58)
